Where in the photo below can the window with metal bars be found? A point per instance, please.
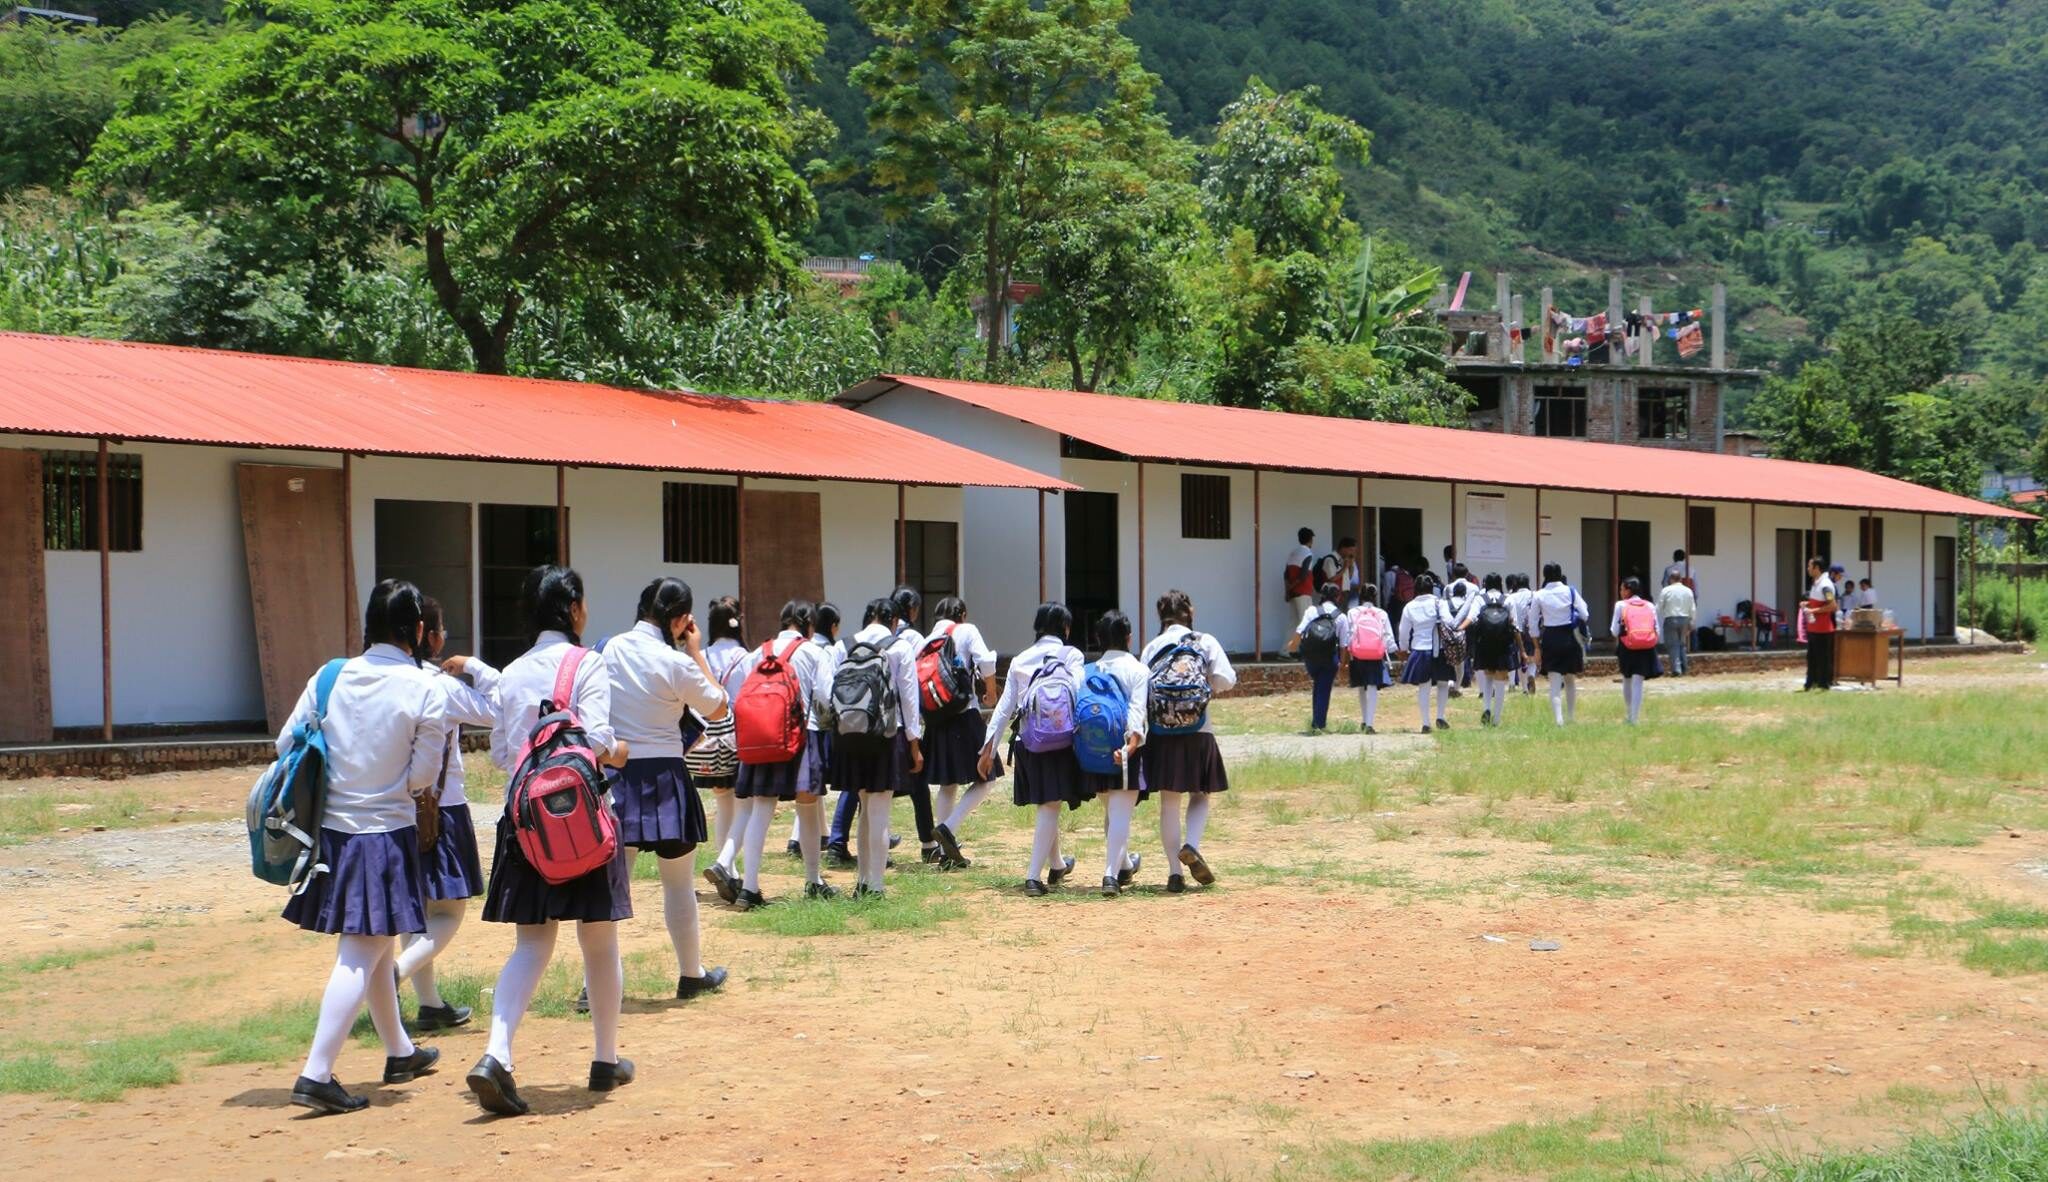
(1700, 531)
(1560, 412)
(1204, 506)
(71, 501)
(700, 523)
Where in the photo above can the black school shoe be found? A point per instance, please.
(441, 1018)
(330, 1098)
(606, 1076)
(1110, 887)
(749, 900)
(583, 1001)
(1130, 871)
(950, 844)
(933, 856)
(406, 1068)
(494, 1088)
(864, 891)
(1175, 884)
(1056, 873)
(721, 878)
(819, 890)
(1443, 724)
(1191, 858)
(689, 987)
(794, 849)
(839, 857)
(1035, 889)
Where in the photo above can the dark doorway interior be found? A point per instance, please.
(1945, 588)
(427, 544)
(1344, 523)
(1091, 560)
(1401, 538)
(511, 541)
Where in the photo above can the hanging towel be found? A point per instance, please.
(1689, 339)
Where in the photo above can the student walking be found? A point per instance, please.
(1181, 760)
(909, 615)
(1488, 624)
(1040, 693)
(1819, 609)
(878, 750)
(1635, 644)
(1519, 595)
(1299, 578)
(1321, 636)
(956, 672)
(1557, 617)
(713, 758)
(448, 855)
(386, 729)
(1675, 609)
(1426, 623)
(1117, 679)
(772, 713)
(556, 667)
(1368, 634)
(825, 638)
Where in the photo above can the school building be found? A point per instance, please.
(1208, 499)
(186, 534)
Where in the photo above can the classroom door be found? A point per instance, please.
(1945, 588)
(1092, 556)
(427, 543)
(1635, 555)
(511, 541)
(1596, 570)
(25, 711)
(782, 557)
(298, 576)
(1795, 546)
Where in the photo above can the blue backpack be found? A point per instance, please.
(286, 804)
(1100, 711)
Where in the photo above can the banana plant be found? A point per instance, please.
(1391, 317)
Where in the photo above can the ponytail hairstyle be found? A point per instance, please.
(1552, 573)
(908, 604)
(725, 619)
(1425, 584)
(551, 594)
(879, 611)
(430, 615)
(394, 615)
(1053, 619)
(826, 620)
(1634, 587)
(1329, 593)
(797, 615)
(1112, 630)
(1369, 593)
(952, 607)
(1493, 581)
(663, 602)
(1175, 607)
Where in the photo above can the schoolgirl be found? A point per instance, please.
(953, 744)
(1041, 780)
(653, 682)
(713, 759)
(799, 780)
(824, 638)
(1460, 590)
(1556, 615)
(1426, 668)
(880, 768)
(1185, 765)
(1495, 653)
(1635, 620)
(453, 873)
(1122, 793)
(518, 894)
(1519, 594)
(386, 728)
(909, 614)
(1367, 619)
(1322, 665)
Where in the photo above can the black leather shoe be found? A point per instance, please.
(583, 1001)
(329, 1098)
(1175, 884)
(721, 878)
(1443, 724)
(1035, 888)
(895, 839)
(1054, 875)
(794, 849)
(864, 891)
(949, 843)
(1110, 889)
(606, 1076)
(933, 855)
(749, 900)
(839, 857)
(1130, 871)
(689, 987)
(1191, 858)
(441, 1017)
(494, 1088)
(406, 1069)
(819, 890)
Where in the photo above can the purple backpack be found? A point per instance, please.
(1048, 713)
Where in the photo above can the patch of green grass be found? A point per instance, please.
(29, 812)
(1595, 1148)
(2008, 958)
(105, 1069)
(1992, 1146)
(914, 901)
(12, 973)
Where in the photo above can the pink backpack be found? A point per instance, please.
(1638, 624)
(555, 796)
(1368, 635)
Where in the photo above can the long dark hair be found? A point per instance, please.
(1052, 619)
(663, 602)
(1112, 630)
(394, 615)
(725, 619)
(826, 620)
(551, 595)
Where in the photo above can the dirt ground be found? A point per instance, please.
(1207, 1035)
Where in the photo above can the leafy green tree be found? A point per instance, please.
(536, 151)
(1276, 170)
(980, 109)
(60, 83)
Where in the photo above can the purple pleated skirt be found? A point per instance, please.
(451, 867)
(782, 781)
(518, 894)
(1184, 763)
(658, 806)
(952, 750)
(373, 886)
(1047, 777)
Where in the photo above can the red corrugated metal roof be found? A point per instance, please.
(1191, 433)
(2032, 496)
(75, 386)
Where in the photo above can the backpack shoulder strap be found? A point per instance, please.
(323, 686)
(565, 677)
(789, 650)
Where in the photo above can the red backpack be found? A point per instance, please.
(945, 686)
(768, 712)
(555, 795)
(1638, 624)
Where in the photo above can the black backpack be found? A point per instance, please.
(863, 703)
(1328, 569)
(1319, 640)
(1493, 633)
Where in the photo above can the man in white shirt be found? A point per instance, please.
(1676, 608)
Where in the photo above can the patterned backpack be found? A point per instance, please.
(1178, 694)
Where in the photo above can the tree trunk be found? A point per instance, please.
(486, 348)
(1074, 363)
(992, 285)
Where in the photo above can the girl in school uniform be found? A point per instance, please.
(1425, 669)
(1322, 675)
(880, 768)
(1041, 780)
(453, 873)
(1493, 658)
(658, 671)
(712, 760)
(1368, 674)
(909, 614)
(1557, 612)
(953, 745)
(518, 894)
(1519, 594)
(798, 780)
(1188, 766)
(824, 638)
(1121, 793)
(1638, 665)
(386, 729)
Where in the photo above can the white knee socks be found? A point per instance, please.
(1565, 707)
(874, 837)
(1422, 704)
(727, 834)
(1368, 704)
(416, 963)
(362, 969)
(1045, 838)
(1443, 699)
(1118, 808)
(1632, 697)
(679, 912)
(605, 977)
(533, 947)
(942, 800)
(810, 819)
(1198, 819)
(760, 815)
(969, 801)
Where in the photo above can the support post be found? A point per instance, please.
(1518, 336)
(1539, 537)
(1870, 545)
(1614, 542)
(1649, 354)
(348, 553)
(1499, 352)
(106, 606)
(1258, 578)
(1717, 336)
(739, 571)
(2012, 531)
(1614, 323)
(1686, 533)
(1545, 333)
(1926, 592)
(1359, 532)
(1973, 580)
(1041, 545)
(561, 515)
(1141, 552)
(1752, 576)
(902, 555)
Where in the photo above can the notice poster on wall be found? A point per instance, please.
(1486, 528)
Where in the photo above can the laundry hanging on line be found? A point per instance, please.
(1689, 339)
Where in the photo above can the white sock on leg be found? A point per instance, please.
(942, 800)
(1372, 703)
(1556, 697)
(727, 833)
(679, 913)
(356, 960)
(1571, 698)
(810, 818)
(1198, 818)
(416, 963)
(969, 801)
(760, 815)
(1169, 828)
(874, 815)
(1443, 699)
(1045, 836)
(533, 947)
(1117, 809)
(1422, 704)
(605, 976)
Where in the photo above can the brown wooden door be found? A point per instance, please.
(25, 626)
(782, 556)
(292, 530)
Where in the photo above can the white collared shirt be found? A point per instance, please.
(1418, 623)
(1518, 607)
(1023, 667)
(901, 657)
(530, 680)
(386, 729)
(653, 682)
(724, 655)
(830, 653)
(1221, 676)
(1614, 625)
(473, 702)
(973, 649)
(1676, 602)
(1553, 606)
(1136, 679)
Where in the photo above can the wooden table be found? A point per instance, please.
(1866, 655)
